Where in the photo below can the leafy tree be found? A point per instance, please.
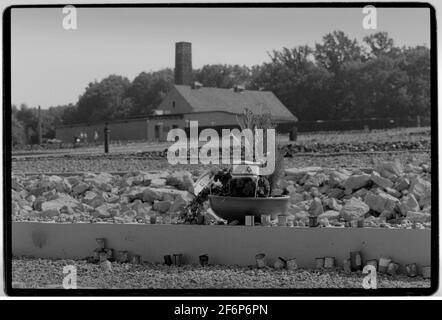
(296, 80)
(416, 63)
(18, 134)
(147, 90)
(380, 44)
(29, 120)
(105, 100)
(223, 76)
(336, 49)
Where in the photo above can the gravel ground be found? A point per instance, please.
(103, 164)
(43, 273)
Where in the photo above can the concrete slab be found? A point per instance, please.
(229, 245)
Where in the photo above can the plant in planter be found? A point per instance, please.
(241, 190)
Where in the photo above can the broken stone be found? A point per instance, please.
(386, 215)
(86, 207)
(381, 201)
(336, 193)
(73, 180)
(111, 198)
(361, 193)
(381, 181)
(408, 203)
(293, 209)
(104, 177)
(295, 197)
(182, 180)
(16, 185)
(323, 221)
(67, 210)
(80, 188)
(38, 202)
(315, 180)
(130, 215)
(162, 206)
(357, 182)
(412, 168)
(301, 215)
(297, 173)
(50, 213)
(158, 183)
(315, 192)
(178, 205)
(104, 210)
(393, 192)
(421, 189)
(354, 209)
(330, 215)
(420, 217)
(107, 187)
(389, 170)
(106, 266)
(306, 195)
(150, 195)
(61, 201)
(173, 194)
(337, 179)
(93, 199)
(332, 204)
(39, 187)
(324, 189)
(401, 184)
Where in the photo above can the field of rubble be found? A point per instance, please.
(341, 183)
(386, 190)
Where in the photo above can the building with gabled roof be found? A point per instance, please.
(216, 108)
(190, 99)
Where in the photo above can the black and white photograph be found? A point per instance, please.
(220, 149)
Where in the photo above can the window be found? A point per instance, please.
(173, 104)
(174, 126)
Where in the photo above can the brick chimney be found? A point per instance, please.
(183, 63)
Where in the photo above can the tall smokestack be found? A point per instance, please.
(183, 63)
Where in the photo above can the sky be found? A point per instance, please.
(52, 66)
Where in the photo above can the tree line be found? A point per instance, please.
(337, 78)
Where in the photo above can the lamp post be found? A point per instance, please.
(106, 138)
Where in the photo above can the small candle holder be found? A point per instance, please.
(204, 260)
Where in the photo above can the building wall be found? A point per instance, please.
(164, 126)
(122, 130)
(228, 245)
(181, 105)
(138, 129)
(212, 119)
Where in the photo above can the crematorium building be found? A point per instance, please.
(187, 101)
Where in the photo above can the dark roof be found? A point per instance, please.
(216, 99)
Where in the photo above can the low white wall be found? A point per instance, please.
(224, 244)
